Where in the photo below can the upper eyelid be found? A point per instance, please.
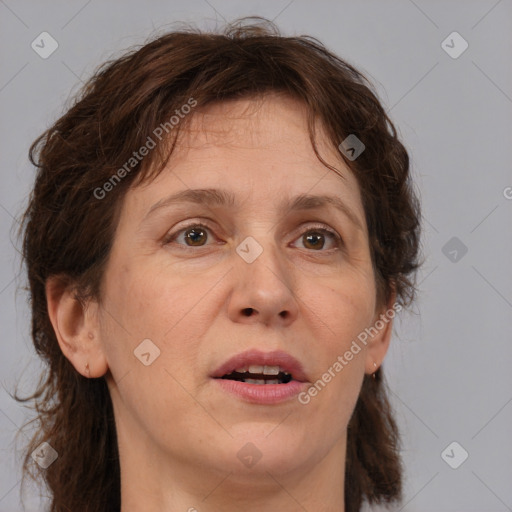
(302, 227)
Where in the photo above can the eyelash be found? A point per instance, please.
(316, 228)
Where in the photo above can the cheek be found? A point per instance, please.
(165, 311)
(340, 311)
(336, 315)
(164, 307)
(154, 303)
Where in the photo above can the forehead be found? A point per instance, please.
(269, 121)
(257, 148)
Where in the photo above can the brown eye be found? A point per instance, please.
(195, 235)
(315, 239)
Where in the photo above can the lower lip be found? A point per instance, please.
(262, 393)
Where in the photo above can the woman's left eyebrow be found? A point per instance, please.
(217, 197)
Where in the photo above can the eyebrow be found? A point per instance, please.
(213, 197)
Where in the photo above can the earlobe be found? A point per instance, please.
(76, 328)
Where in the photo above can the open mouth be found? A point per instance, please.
(256, 374)
(264, 378)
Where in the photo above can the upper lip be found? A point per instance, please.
(279, 358)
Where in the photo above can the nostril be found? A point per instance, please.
(248, 311)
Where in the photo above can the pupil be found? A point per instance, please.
(194, 235)
(317, 236)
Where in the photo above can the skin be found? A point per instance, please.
(178, 433)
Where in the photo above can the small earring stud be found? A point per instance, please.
(373, 374)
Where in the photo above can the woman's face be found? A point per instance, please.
(257, 276)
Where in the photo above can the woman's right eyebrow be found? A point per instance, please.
(213, 197)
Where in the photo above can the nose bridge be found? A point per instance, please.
(259, 256)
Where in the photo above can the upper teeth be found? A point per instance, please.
(265, 370)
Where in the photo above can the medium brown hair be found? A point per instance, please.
(68, 231)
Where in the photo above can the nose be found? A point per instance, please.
(263, 290)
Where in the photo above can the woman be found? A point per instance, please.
(220, 234)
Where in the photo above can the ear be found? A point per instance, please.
(380, 337)
(76, 328)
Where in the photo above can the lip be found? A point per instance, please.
(262, 393)
(276, 358)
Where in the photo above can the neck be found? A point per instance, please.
(154, 482)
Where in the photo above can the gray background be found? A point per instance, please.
(449, 365)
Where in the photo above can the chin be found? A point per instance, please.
(262, 448)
